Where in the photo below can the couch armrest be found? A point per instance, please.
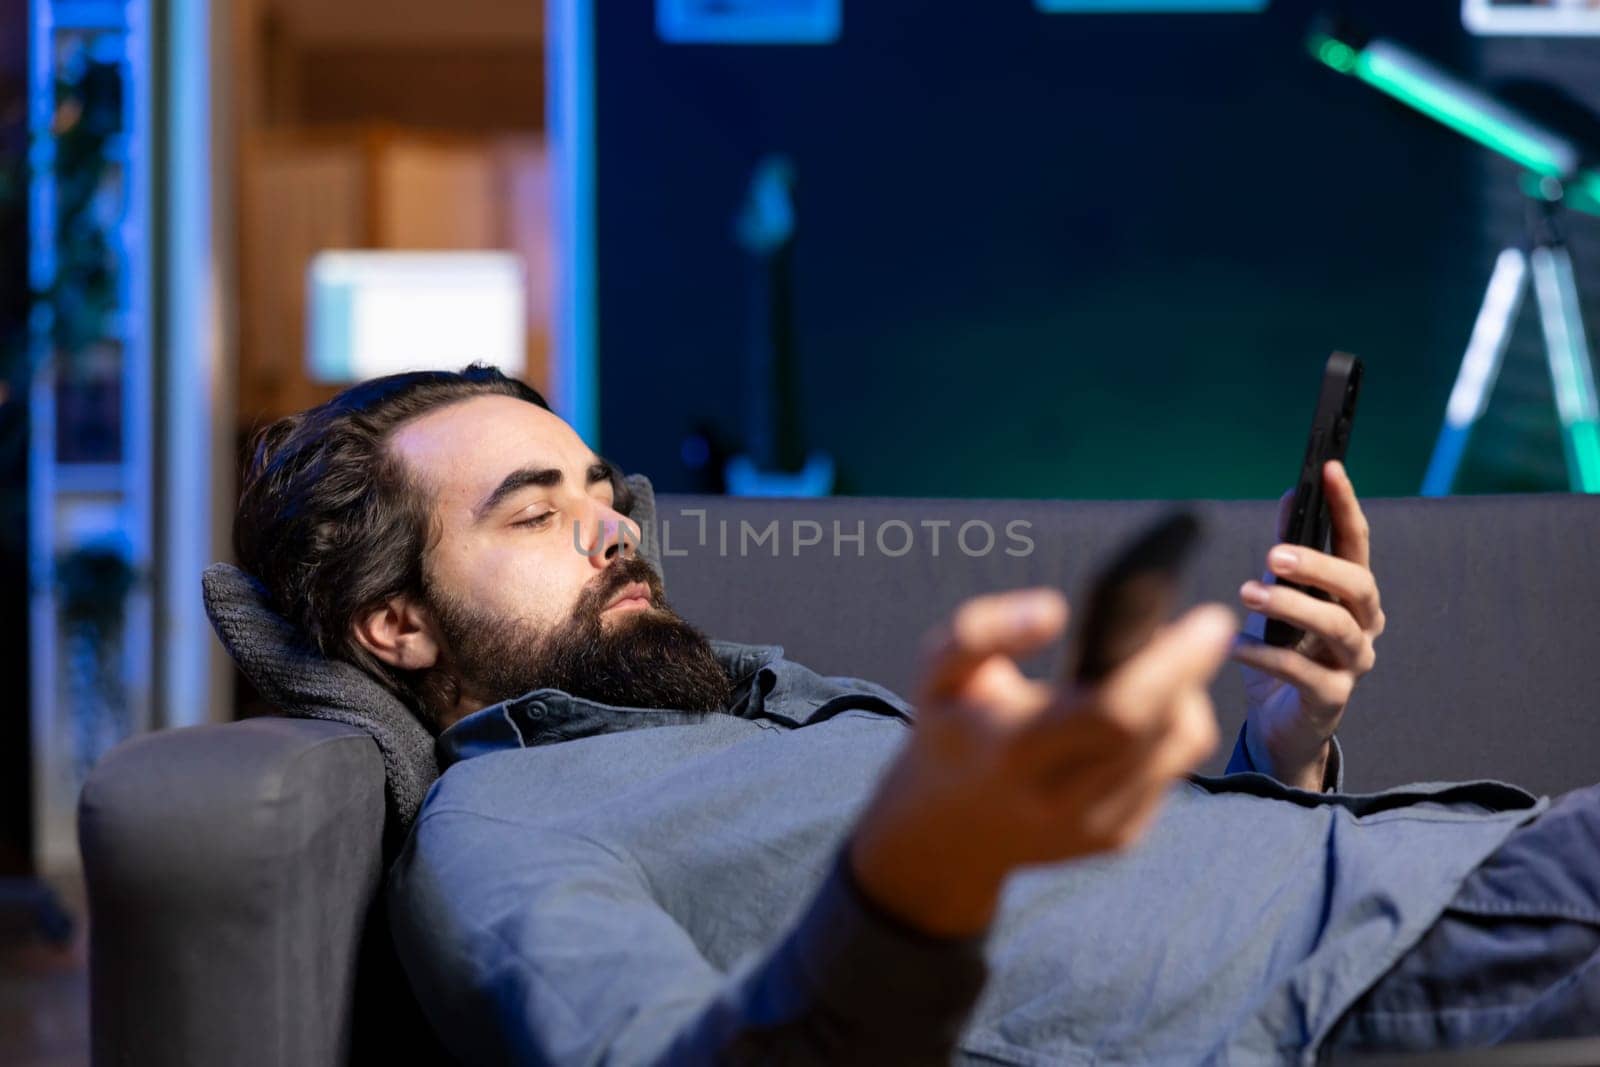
(230, 870)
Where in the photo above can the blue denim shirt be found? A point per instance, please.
(590, 883)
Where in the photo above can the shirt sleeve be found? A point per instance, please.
(1332, 776)
(564, 956)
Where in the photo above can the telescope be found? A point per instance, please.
(1557, 171)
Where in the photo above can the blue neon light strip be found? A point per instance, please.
(575, 371)
(1071, 7)
(749, 21)
(1447, 454)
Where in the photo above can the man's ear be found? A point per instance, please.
(400, 632)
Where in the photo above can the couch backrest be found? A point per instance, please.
(1490, 666)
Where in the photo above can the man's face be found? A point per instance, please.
(533, 580)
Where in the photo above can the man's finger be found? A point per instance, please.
(1193, 738)
(1352, 536)
(1188, 736)
(1012, 624)
(1121, 819)
(1187, 653)
(1327, 687)
(1333, 623)
(1112, 725)
(1350, 583)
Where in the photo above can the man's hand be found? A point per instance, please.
(1001, 771)
(1298, 695)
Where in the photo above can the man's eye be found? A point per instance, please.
(536, 521)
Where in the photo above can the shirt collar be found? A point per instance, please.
(546, 716)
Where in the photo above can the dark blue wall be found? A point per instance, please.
(16, 781)
(1040, 255)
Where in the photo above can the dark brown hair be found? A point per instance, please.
(330, 521)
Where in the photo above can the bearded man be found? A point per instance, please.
(648, 846)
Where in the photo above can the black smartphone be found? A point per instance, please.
(1329, 439)
(1135, 593)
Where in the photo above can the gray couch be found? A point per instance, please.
(233, 869)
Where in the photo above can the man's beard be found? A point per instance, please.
(642, 659)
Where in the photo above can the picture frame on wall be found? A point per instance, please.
(1532, 18)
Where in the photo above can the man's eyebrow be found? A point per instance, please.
(543, 477)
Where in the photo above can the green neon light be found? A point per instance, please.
(1583, 439)
(1588, 192)
(1456, 113)
(1439, 103)
(1336, 54)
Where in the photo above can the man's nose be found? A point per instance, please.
(614, 535)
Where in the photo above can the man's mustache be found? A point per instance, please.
(616, 577)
